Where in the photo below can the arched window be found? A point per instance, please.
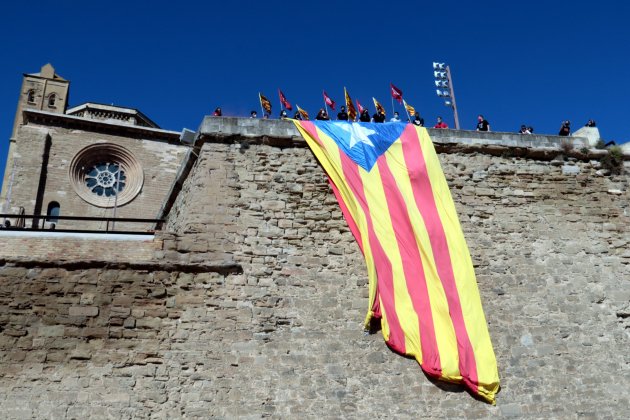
(52, 215)
(30, 97)
(51, 100)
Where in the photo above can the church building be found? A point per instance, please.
(88, 160)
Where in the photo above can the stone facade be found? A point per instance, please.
(253, 304)
(78, 160)
(159, 161)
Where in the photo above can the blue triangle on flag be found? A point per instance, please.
(363, 142)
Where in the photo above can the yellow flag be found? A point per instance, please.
(264, 103)
(303, 113)
(352, 111)
(378, 106)
(411, 110)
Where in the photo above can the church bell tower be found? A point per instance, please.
(44, 91)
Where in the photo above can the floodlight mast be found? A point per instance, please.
(452, 92)
(443, 78)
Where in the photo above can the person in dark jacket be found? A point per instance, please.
(217, 113)
(322, 116)
(565, 128)
(342, 115)
(297, 115)
(379, 117)
(365, 116)
(418, 120)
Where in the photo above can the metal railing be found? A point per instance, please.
(49, 223)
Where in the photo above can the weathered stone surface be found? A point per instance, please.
(283, 338)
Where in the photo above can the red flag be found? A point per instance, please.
(329, 101)
(396, 93)
(283, 101)
(360, 107)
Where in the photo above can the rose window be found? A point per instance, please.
(106, 175)
(105, 179)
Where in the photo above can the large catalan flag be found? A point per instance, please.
(394, 196)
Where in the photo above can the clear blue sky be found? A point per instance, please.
(530, 62)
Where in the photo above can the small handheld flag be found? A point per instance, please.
(352, 112)
(359, 107)
(411, 110)
(303, 113)
(378, 106)
(396, 93)
(264, 103)
(329, 101)
(283, 100)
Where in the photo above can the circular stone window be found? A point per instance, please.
(106, 175)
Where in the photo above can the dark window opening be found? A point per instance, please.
(52, 214)
(30, 97)
(51, 100)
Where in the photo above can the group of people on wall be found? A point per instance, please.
(416, 119)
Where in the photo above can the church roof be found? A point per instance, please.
(112, 113)
(47, 71)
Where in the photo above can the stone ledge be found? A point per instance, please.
(282, 133)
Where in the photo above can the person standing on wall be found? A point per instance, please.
(482, 124)
(342, 115)
(418, 120)
(440, 123)
(565, 128)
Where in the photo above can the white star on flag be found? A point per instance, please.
(358, 134)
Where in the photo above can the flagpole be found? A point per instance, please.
(406, 110)
(393, 109)
(280, 99)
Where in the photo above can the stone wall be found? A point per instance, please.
(274, 328)
(23, 245)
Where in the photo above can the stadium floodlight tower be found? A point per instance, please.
(444, 85)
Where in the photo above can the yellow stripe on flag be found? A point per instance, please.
(474, 318)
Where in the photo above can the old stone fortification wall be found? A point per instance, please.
(273, 328)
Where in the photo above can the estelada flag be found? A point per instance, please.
(264, 103)
(283, 101)
(396, 93)
(411, 110)
(352, 112)
(378, 106)
(303, 113)
(393, 194)
(328, 101)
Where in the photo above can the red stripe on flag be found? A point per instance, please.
(385, 286)
(425, 201)
(412, 267)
